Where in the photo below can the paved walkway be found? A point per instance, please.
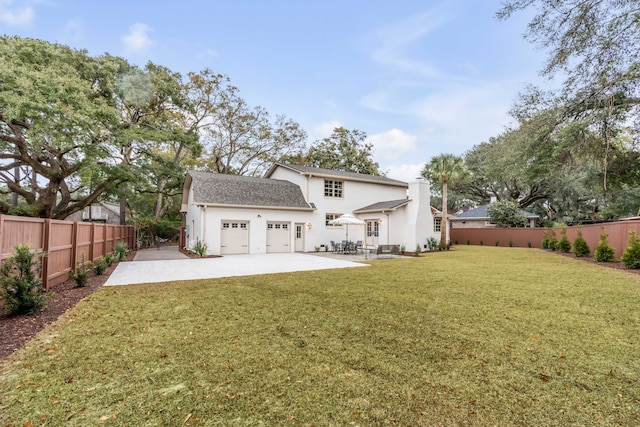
(167, 265)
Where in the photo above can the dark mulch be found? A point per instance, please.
(614, 265)
(17, 330)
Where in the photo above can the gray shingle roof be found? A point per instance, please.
(234, 190)
(383, 206)
(481, 213)
(330, 173)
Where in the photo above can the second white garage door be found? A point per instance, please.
(234, 237)
(278, 237)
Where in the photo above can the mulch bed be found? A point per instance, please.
(17, 330)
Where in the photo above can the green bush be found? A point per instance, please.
(553, 240)
(20, 286)
(121, 250)
(580, 246)
(432, 243)
(545, 240)
(81, 273)
(200, 248)
(100, 266)
(109, 258)
(631, 256)
(604, 252)
(417, 250)
(564, 245)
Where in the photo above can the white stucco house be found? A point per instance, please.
(289, 209)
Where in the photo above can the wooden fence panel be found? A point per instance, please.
(99, 241)
(65, 242)
(84, 242)
(59, 248)
(618, 235)
(16, 230)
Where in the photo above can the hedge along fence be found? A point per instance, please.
(521, 237)
(65, 242)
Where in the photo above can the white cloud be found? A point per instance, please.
(137, 39)
(74, 30)
(207, 53)
(12, 16)
(404, 172)
(323, 130)
(395, 40)
(392, 144)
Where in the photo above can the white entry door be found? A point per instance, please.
(234, 237)
(299, 237)
(373, 231)
(278, 237)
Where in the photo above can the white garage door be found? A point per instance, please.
(278, 237)
(234, 237)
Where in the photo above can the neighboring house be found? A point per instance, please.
(479, 218)
(108, 213)
(290, 208)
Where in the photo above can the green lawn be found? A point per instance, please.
(474, 336)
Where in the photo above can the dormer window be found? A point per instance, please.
(332, 188)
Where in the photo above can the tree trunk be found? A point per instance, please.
(444, 223)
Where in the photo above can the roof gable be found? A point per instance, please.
(383, 206)
(235, 190)
(330, 173)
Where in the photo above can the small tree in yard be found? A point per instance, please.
(506, 214)
(20, 286)
(564, 244)
(604, 252)
(631, 256)
(580, 246)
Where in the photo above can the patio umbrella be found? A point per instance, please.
(347, 220)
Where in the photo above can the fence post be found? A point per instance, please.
(45, 248)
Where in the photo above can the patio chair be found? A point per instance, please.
(358, 246)
(335, 247)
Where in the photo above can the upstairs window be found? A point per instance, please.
(332, 188)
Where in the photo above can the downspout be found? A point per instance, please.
(388, 226)
(203, 225)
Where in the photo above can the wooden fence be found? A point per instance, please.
(618, 234)
(65, 242)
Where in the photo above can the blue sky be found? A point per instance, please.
(420, 77)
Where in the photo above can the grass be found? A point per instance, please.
(473, 336)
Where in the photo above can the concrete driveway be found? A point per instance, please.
(168, 265)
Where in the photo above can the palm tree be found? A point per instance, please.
(445, 169)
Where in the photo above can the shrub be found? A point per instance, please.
(481, 243)
(510, 243)
(81, 273)
(121, 251)
(545, 240)
(403, 249)
(604, 252)
(631, 256)
(100, 266)
(432, 243)
(418, 250)
(109, 258)
(497, 242)
(20, 286)
(564, 245)
(580, 246)
(200, 248)
(529, 244)
(553, 241)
